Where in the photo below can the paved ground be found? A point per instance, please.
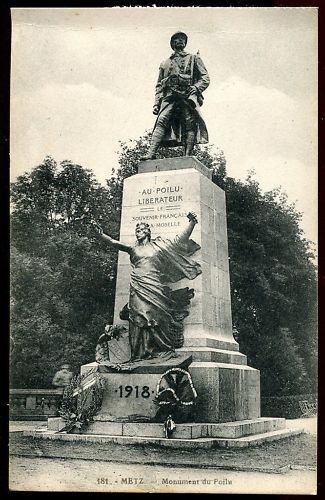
(308, 424)
(45, 474)
(55, 474)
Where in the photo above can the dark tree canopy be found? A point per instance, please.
(63, 279)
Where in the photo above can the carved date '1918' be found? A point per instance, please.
(143, 392)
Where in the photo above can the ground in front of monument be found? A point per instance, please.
(285, 466)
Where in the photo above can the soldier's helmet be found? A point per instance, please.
(177, 34)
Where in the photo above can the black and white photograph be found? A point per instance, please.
(163, 250)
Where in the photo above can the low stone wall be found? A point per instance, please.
(34, 404)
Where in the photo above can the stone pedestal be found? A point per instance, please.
(226, 392)
(162, 194)
(131, 395)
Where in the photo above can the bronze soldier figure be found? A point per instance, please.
(182, 79)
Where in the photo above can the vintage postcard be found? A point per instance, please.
(163, 250)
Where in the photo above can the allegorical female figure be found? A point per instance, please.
(154, 311)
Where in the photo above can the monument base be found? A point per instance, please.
(241, 434)
(226, 392)
(130, 394)
(227, 388)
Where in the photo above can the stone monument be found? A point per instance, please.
(161, 195)
(177, 310)
(172, 338)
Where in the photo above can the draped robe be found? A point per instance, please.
(155, 312)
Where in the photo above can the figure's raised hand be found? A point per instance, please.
(192, 217)
(97, 227)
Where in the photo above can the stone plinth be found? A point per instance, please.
(226, 392)
(180, 163)
(230, 430)
(162, 198)
(103, 435)
(131, 394)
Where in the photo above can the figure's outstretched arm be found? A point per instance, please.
(188, 230)
(114, 243)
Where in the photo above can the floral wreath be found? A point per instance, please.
(81, 401)
(178, 401)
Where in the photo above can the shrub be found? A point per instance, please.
(285, 406)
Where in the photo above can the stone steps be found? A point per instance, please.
(245, 428)
(213, 354)
(230, 430)
(57, 440)
(257, 439)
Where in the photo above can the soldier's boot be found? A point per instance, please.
(157, 137)
(190, 141)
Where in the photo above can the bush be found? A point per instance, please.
(285, 406)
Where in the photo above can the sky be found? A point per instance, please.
(84, 79)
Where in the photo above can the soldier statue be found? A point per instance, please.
(182, 79)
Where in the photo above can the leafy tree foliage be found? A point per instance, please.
(273, 285)
(63, 278)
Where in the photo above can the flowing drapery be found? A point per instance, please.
(155, 312)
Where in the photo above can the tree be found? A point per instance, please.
(62, 277)
(273, 281)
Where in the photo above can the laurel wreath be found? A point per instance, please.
(80, 405)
